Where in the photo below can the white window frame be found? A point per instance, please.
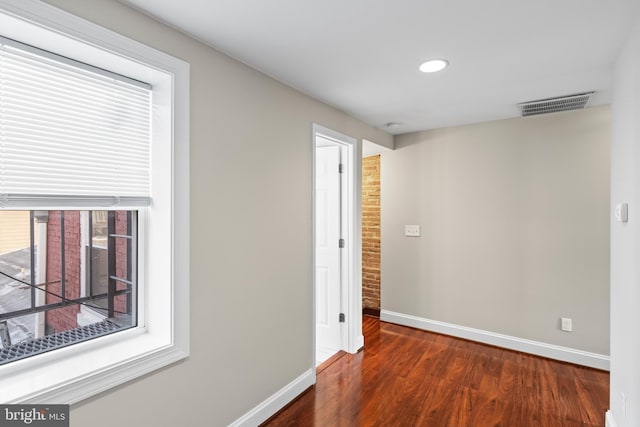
(76, 372)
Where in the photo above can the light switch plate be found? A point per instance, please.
(412, 230)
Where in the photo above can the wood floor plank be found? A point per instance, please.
(407, 377)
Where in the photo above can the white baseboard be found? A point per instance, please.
(609, 420)
(277, 401)
(551, 351)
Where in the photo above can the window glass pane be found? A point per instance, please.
(97, 253)
(99, 278)
(99, 228)
(83, 284)
(15, 273)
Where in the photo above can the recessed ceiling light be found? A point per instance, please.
(434, 65)
(392, 124)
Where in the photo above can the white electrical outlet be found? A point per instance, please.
(412, 230)
(567, 324)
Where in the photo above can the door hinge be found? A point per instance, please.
(341, 318)
(340, 168)
(341, 243)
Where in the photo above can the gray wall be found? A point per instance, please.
(515, 227)
(625, 250)
(251, 309)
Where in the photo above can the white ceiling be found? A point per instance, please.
(362, 56)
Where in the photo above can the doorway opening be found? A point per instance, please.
(337, 303)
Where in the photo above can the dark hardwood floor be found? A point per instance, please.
(408, 377)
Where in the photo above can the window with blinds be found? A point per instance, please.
(94, 206)
(74, 139)
(71, 135)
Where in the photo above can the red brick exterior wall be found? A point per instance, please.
(371, 233)
(63, 318)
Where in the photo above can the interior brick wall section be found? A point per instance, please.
(371, 233)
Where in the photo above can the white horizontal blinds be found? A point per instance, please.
(70, 136)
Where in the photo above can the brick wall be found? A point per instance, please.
(371, 233)
(62, 319)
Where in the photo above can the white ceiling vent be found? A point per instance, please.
(553, 105)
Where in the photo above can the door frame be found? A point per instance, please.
(352, 338)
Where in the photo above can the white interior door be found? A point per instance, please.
(328, 270)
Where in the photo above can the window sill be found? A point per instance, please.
(52, 342)
(60, 376)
